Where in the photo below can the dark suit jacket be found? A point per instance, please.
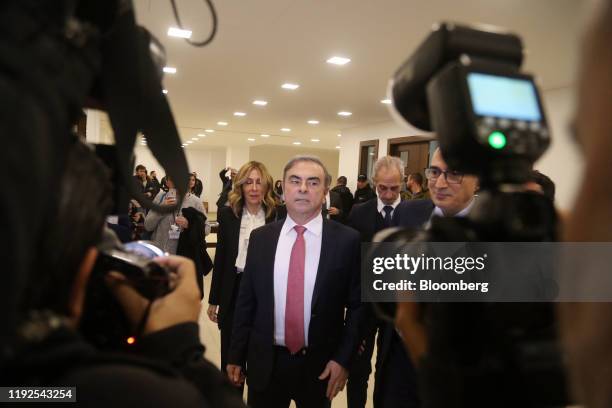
(412, 214)
(192, 244)
(336, 201)
(224, 271)
(331, 335)
(366, 219)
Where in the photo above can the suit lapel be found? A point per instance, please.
(328, 247)
(269, 256)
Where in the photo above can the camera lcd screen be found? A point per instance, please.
(503, 97)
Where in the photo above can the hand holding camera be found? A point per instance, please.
(179, 306)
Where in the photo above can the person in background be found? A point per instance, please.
(226, 175)
(251, 205)
(414, 188)
(364, 192)
(345, 194)
(181, 231)
(278, 191)
(154, 183)
(198, 185)
(368, 218)
(144, 182)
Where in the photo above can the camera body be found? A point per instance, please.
(104, 323)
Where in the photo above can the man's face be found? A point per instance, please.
(141, 173)
(450, 197)
(409, 183)
(153, 174)
(361, 184)
(304, 189)
(388, 184)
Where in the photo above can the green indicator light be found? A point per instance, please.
(497, 140)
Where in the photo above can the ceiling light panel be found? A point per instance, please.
(290, 86)
(179, 33)
(338, 60)
(260, 103)
(170, 70)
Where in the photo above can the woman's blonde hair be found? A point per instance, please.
(236, 197)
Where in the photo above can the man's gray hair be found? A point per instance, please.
(388, 162)
(311, 159)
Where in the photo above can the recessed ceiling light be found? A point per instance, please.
(222, 123)
(250, 139)
(344, 113)
(264, 135)
(313, 122)
(337, 147)
(170, 70)
(239, 114)
(285, 130)
(177, 32)
(201, 135)
(189, 142)
(194, 138)
(297, 143)
(338, 60)
(386, 101)
(260, 103)
(292, 87)
(210, 131)
(339, 134)
(165, 91)
(315, 140)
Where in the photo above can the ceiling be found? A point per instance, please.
(263, 44)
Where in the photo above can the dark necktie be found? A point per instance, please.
(388, 220)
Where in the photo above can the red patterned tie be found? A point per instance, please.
(294, 307)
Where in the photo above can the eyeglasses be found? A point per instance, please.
(451, 176)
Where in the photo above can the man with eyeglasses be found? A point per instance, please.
(452, 192)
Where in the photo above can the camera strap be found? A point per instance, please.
(135, 102)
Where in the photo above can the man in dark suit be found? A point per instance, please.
(363, 192)
(345, 194)
(296, 325)
(368, 218)
(333, 207)
(452, 195)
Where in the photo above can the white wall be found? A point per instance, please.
(349, 145)
(275, 158)
(205, 162)
(562, 162)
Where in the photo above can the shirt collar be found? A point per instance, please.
(463, 213)
(315, 225)
(381, 205)
(246, 213)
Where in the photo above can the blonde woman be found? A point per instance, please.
(251, 205)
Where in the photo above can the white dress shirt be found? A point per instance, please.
(248, 223)
(382, 205)
(288, 235)
(437, 212)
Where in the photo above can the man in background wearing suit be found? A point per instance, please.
(301, 275)
(368, 218)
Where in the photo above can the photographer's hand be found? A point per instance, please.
(179, 306)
